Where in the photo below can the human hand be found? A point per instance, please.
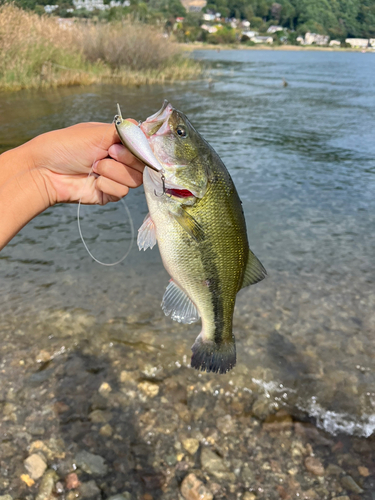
(63, 159)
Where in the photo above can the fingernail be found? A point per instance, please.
(94, 166)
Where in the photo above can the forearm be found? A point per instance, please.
(23, 194)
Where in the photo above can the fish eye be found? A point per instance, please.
(181, 131)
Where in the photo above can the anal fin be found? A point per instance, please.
(254, 271)
(146, 234)
(178, 305)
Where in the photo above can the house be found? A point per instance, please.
(50, 8)
(357, 43)
(245, 23)
(248, 35)
(372, 42)
(300, 40)
(315, 38)
(210, 29)
(208, 17)
(274, 29)
(334, 43)
(262, 39)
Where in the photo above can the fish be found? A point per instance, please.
(196, 218)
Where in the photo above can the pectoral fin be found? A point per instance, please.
(191, 226)
(146, 234)
(254, 271)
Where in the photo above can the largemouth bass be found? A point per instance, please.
(196, 217)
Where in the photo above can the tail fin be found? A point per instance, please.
(213, 357)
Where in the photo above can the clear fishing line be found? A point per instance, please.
(80, 230)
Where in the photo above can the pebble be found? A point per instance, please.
(193, 489)
(90, 463)
(349, 484)
(225, 424)
(35, 466)
(118, 497)
(6, 497)
(46, 486)
(314, 465)
(106, 431)
(149, 389)
(72, 481)
(105, 389)
(249, 496)
(43, 357)
(342, 498)
(27, 480)
(334, 470)
(214, 465)
(191, 445)
(363, 471)
(89, 489)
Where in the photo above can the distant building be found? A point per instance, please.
(300, 39)
(273, 29)
(210, 29)
(247, 34)
(91, 5)
(180, 19)
(208, 17)
(314, 38)
(50, 8)
(357, 43)
(262, 39)
(245, 23)
(334, 43)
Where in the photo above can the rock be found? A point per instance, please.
(43, 357)
(225, 424)
(249, 496)
(342, 498)
(334, 470)
(349, 484)
(127, 376)
(314, 465)
(6, 497)
(46, 486)
(118, 497)
(99, 417)
(105, 389)
(191, 445)
(193, 489)
(90, 463)
(89, 490)
(35, 466)
(149, 389)
(72, 481)
(363, 471)
(106, 431)
(27, 480)
(214, 465)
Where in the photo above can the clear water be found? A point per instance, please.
(303, 160)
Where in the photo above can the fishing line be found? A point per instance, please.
(128, 214)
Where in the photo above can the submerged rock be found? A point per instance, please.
(193, 489)
(35, 466)
(90, 463)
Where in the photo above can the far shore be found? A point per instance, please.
(240, 46)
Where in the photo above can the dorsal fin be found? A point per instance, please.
(254, 271)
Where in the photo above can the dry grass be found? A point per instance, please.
(38, 52)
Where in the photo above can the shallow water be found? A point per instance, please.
(302, 158)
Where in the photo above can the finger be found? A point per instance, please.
(111, 188)
(118, 172)
(122, 154)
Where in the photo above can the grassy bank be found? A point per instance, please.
(39, 52)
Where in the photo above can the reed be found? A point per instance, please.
(41, 51)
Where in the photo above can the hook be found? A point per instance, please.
(163, 182)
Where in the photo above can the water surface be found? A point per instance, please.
(302, 158)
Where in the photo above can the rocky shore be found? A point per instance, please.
(76, 425)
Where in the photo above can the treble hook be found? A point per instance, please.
(163, 182)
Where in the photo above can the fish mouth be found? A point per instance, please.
(159, 119)
(179, 193)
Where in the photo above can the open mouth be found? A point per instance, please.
(179, 193)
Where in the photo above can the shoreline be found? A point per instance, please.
(207, 46)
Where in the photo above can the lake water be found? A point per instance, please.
(303, 160)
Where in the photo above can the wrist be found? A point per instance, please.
(23, 192)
